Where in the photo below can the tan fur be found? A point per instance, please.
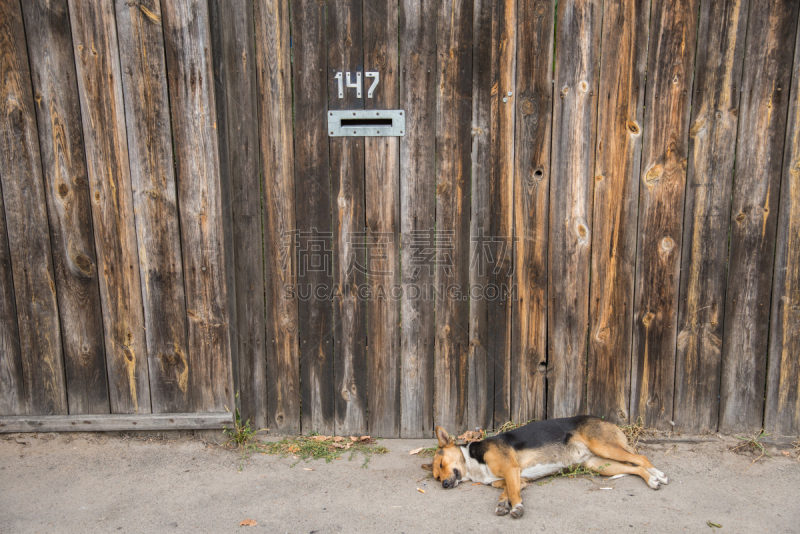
(596, 445)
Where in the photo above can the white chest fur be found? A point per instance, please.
(478, 472)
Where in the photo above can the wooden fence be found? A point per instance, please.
(594, 208)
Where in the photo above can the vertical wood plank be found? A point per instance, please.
(189, 71)
(237, 102)
(55, 88)
(673, 36)
(346, 54)
(382, 204)
(417, 203)
(480, 372)
(144, 86)
(782, 414)
(616, 195)
(453, 177)
(94, 37)
(763, 114)
(534, 108)
(313, 201)
(504, 43)
(574, 134)
(712, 146)
(274, 72)
(12, 391)
(31, 260)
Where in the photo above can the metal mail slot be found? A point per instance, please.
(367, 122)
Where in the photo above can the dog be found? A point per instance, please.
(511, 459)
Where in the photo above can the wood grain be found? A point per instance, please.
(116, 422)
(417, 27)
(144, 86)
(313, 202)
(12, 392)
(501, 232)
(453, 174)
(782, 414)
(94, 38)
(273, 71)
(570, 239)
(480, 372)
(673, 36)
(237, 102)
(382, 205)
(712, 146)
(534, 112)
(616, 195)
(763, 112)
(763, 109)
(43, 384)
(55, 90)
(346, 54)
(192, 103)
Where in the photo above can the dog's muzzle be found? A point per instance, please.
(452, 482)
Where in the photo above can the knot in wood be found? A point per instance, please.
(63, 190)
(584, 86)
(653, 175)
(647, 319)
(633, 127)
(667, 244)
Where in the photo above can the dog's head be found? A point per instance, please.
(448, 464)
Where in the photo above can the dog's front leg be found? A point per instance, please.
(513, 481)
(502, 505)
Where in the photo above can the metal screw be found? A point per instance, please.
(510, 93)
(505, 99)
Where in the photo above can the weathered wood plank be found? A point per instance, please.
(712, 145)
(144, 86)
(237, 102)
(43, 383)
(534, 108)
(616, 196)
(504, 43)
(55, 88)
(673, 31)
(94, 37)
(274, 71)
(346, 54)
(453, 176)
(417, 23)
(116, 422)
(782, 414)
(763, 111)
(570, 240)
(382, 205)
(12, 392)
(313, 201)
(192, 103)
(480, 372)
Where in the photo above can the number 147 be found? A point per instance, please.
(347, 82)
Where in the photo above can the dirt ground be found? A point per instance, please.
(99, 483)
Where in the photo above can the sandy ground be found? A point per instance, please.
(97, 483)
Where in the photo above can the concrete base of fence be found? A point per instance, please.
(115, 422)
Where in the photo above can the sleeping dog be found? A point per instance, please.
(509, 460)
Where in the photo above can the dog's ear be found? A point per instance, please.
(443, 437)
(427, 467)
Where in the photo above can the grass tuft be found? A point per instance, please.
(241, 433)
(328, 448)
(752, 444)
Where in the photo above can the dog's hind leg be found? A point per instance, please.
(609, 468)
(621, 452)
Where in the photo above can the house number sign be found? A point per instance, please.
(345, 80)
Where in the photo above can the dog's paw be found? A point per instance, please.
(502, 508)
(517, 512)
(653, 482)
(662, 478)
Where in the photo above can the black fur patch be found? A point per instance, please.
(540, 433)
(477, 450)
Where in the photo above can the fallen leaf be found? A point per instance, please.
(471, 435)
(365, 438)
(713, 525)
(416, 451)
(320, 438)
(353, 438)
(476, 483)
(337, 439)
(248, 523)
(421, 490)
(785, 453)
